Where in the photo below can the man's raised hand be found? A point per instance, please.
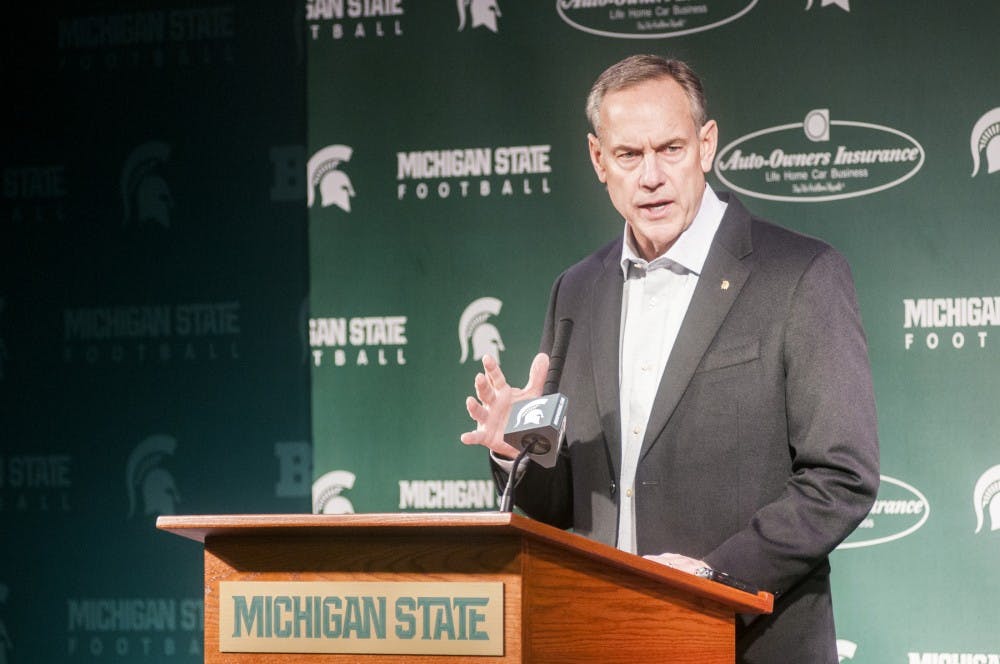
(491, 406)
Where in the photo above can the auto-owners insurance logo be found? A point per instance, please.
(654, 19)
(899, 510)
(819, 160)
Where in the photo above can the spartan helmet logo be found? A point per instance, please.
(145, 195)
(986, 135)
(326, 493)
(472, 326)
(531, 412)
(986, 498)
(334, 186)
(483, 12)
(143, 475)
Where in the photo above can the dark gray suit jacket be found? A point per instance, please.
(761, 452)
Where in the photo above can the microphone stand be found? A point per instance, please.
(507, 499)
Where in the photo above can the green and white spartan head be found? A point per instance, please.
(986, 138)
(986, 499)
(145, 478)
(474, 330)
(334, 185)
(145, 194)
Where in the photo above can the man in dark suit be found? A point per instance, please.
(721, 411)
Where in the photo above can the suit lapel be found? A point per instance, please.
(722, 278)
(605, 326)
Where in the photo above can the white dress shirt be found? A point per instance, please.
(655, 298)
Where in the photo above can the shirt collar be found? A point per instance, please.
(691, 248)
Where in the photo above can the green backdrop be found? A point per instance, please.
(851, 120)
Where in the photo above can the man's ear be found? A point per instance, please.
(594, 147)
(708, 141)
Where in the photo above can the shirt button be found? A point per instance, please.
(635, 430)
(628, 493)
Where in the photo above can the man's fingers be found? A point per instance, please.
(483, 390)
(476, 410)
(491, 406)
(536, 375)
(493, 372)
(471, 438)
(506, 451)
(480, 438)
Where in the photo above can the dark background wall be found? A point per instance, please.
(152, 276)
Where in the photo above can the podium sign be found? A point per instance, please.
(369, 617)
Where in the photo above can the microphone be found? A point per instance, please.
(558, 355)
(537, 426)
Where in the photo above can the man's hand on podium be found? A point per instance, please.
(677, 561)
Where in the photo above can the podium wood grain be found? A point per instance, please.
(566, 598)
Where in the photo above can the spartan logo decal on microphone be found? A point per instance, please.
(531, 412)
(335, 186)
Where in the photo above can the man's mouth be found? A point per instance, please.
(655, 207)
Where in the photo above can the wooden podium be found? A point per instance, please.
(565, 598)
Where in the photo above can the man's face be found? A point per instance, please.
(653, 160)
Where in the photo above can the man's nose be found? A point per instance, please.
(652, 173)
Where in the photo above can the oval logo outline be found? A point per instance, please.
(826, 197)
(659, 35)
(909, 531)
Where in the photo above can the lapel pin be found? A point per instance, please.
(725, 284)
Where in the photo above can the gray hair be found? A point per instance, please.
(637, 69)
